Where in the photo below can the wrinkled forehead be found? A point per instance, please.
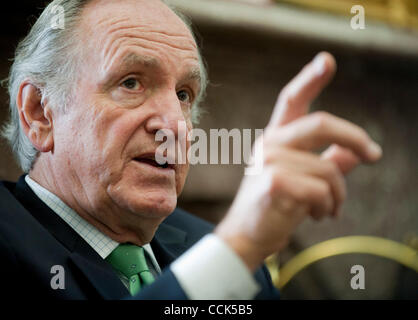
(113, 24)
(142, 12)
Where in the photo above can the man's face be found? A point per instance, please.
(139, 73)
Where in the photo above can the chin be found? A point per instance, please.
(145, 191)
(159, 203)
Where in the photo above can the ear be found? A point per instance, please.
(35, 117)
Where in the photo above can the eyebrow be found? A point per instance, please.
(194, 75)
(132, 59)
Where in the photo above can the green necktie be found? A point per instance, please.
(130, 261)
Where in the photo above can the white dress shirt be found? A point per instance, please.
(208, 270)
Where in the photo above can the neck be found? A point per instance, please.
(119, 225)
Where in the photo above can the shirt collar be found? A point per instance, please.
(100, 242)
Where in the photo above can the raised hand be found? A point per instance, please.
(295, 182)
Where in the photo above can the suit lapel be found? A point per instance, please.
(169, 243)
(96, 271)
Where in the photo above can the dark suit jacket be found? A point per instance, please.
(33, 239)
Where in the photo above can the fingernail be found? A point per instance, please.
(374, 150)
(319, 64)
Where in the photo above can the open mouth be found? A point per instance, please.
(150, 160)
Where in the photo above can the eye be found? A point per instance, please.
(131, 84)
(183, 96)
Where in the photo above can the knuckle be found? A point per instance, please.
(320, 119)
(269, 156)
(287, 205)
(331, 169)
(323, 191)
(277, 183)
(269, 138)
(271, 153)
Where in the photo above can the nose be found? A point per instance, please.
(167, 113)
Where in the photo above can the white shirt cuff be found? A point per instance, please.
(211, 270)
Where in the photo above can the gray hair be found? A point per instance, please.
(47, 57)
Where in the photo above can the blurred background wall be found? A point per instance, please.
(252, 49)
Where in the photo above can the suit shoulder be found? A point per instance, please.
(9, 206)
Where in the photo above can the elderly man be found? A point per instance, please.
(96, 216)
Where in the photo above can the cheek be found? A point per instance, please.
(113, 127)
(115, 131)
(181, 178)
(99, 137)
(143, 194)
(184, 168)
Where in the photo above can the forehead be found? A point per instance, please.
(113, 29)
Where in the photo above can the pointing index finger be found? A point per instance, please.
(295, 99)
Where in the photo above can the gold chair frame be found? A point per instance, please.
(382, 247)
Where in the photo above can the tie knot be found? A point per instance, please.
(128, 259)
